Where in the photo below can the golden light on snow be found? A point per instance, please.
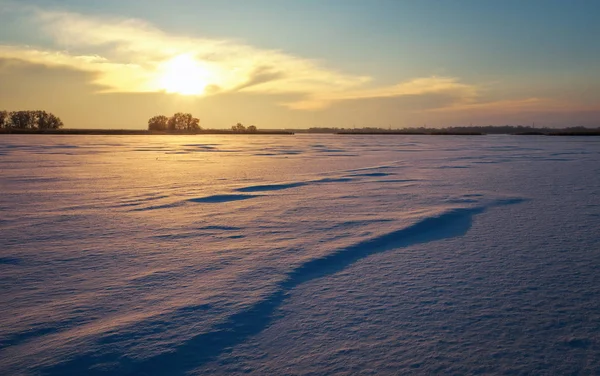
(184, 75)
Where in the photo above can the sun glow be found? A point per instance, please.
(184, 75)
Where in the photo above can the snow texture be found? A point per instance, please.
(303, 255)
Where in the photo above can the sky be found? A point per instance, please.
(303, 63)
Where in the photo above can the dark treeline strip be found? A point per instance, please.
(29, 121)
(240, 128)
(186, 122)
(409, 132)
(134, 132)
(80, 131)
(471, 130)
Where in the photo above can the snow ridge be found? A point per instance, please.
(238, 327)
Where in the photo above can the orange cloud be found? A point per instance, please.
(129, 55)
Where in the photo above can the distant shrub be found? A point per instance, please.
(240, 128)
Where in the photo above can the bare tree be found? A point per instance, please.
(158, 123)
(178, 122)
(238, 128)
(30, 120)
(190, 123)
(4, 118)
(193, 124)
(47, 120)
(23, 120)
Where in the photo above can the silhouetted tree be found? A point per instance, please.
(238, 128)
(192, 123)
(251, 129)
(158, 123)
(29, 120)
(175, 122)
(47, 121)
(178, 122)
(183, 122)
(23, 120)
(4, 117)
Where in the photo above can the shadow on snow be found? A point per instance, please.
(237, 328)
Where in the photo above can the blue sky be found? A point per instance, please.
(407, 62)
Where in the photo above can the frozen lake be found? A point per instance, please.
(300, 255)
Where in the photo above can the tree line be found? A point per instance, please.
(186, 122)
(178, 122)
(29, 120)
(240, 128)
(463, 130)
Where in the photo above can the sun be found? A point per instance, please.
(184, 75)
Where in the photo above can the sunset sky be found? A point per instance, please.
(303, 63)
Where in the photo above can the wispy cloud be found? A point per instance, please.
(525, 105)
(129, 55)
(462, 93)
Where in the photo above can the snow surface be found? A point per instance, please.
(299, 255)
